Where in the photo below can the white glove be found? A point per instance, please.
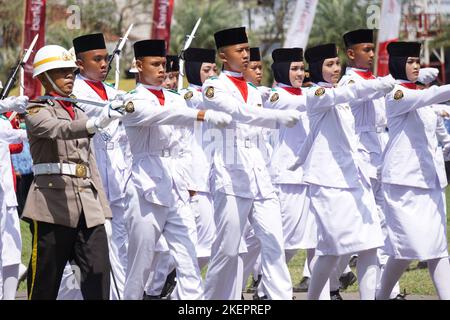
(428, 75)
(288, 118)
(217, 118)
(387, 83)
(110, 113)
(23, 134)
(18, 104)
(446, 152)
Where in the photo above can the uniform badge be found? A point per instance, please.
(274, 97)
(398, 95)
(210, 92)
(129, 107)
(320, 92)
(188, 95)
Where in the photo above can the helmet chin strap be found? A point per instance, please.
(55, 87)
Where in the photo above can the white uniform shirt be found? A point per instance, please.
(239, 165)
(412, 156)
(113, 156)
(330, 155)
(289, 140)
(370, 123)
(200, 143)
(156, 146)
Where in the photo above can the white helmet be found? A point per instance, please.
(133, 67)
(52, 57)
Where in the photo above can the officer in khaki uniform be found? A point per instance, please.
(66, 204)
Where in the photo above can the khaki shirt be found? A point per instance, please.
(57, 198)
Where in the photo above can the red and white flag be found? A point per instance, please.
(162, 17)
(34, 24)
(391, 14)
(302, 21)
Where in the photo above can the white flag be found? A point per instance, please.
(302, 21)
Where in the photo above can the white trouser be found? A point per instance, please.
(223, 281)
(178, 227)
(163, 263)
(202, 208)
(251, 259)
(117, 244)
(10, 236)
(1, 246)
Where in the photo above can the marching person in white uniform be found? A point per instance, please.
(299, 226)
(10, 238)
(157, 173)
(340, 190)
(242, 187)
(370, 126)
(199, 66)
(413, 175)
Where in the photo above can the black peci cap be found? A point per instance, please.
(200, 55)
(404, 49)
(89, 42)
(230, 37)
(150, 48)
(287, 55)
(172, 63)
(322, 52)
(255, 55)
(358, 36)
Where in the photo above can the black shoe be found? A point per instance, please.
(400, 296)
(346, 280)
(256, 297)
(255, 284)
(149, 297)
(169, 285)
(303, 285)
(335, 295)
(422, 265)
(353, 262)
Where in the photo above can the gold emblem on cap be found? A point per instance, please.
(398, 95)
(129, 107)
(66, 56)
(320, 92)
(210, 92)
(188, 95)
(274, 97)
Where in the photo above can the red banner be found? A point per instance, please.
(34, 24)
(383, 58)
(162, 17)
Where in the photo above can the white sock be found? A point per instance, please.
(10, 281)
(392, 272)
(341, 267)
(395, 290)
(440, 274)
(367, 268)
(319, 287)
(290, 253)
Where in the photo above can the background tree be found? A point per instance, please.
(216, 15)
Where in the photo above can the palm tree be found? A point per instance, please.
(216, 15)
(336, 17)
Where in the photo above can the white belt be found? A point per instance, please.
(377, 129)
(163, 153)
(78, 170)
